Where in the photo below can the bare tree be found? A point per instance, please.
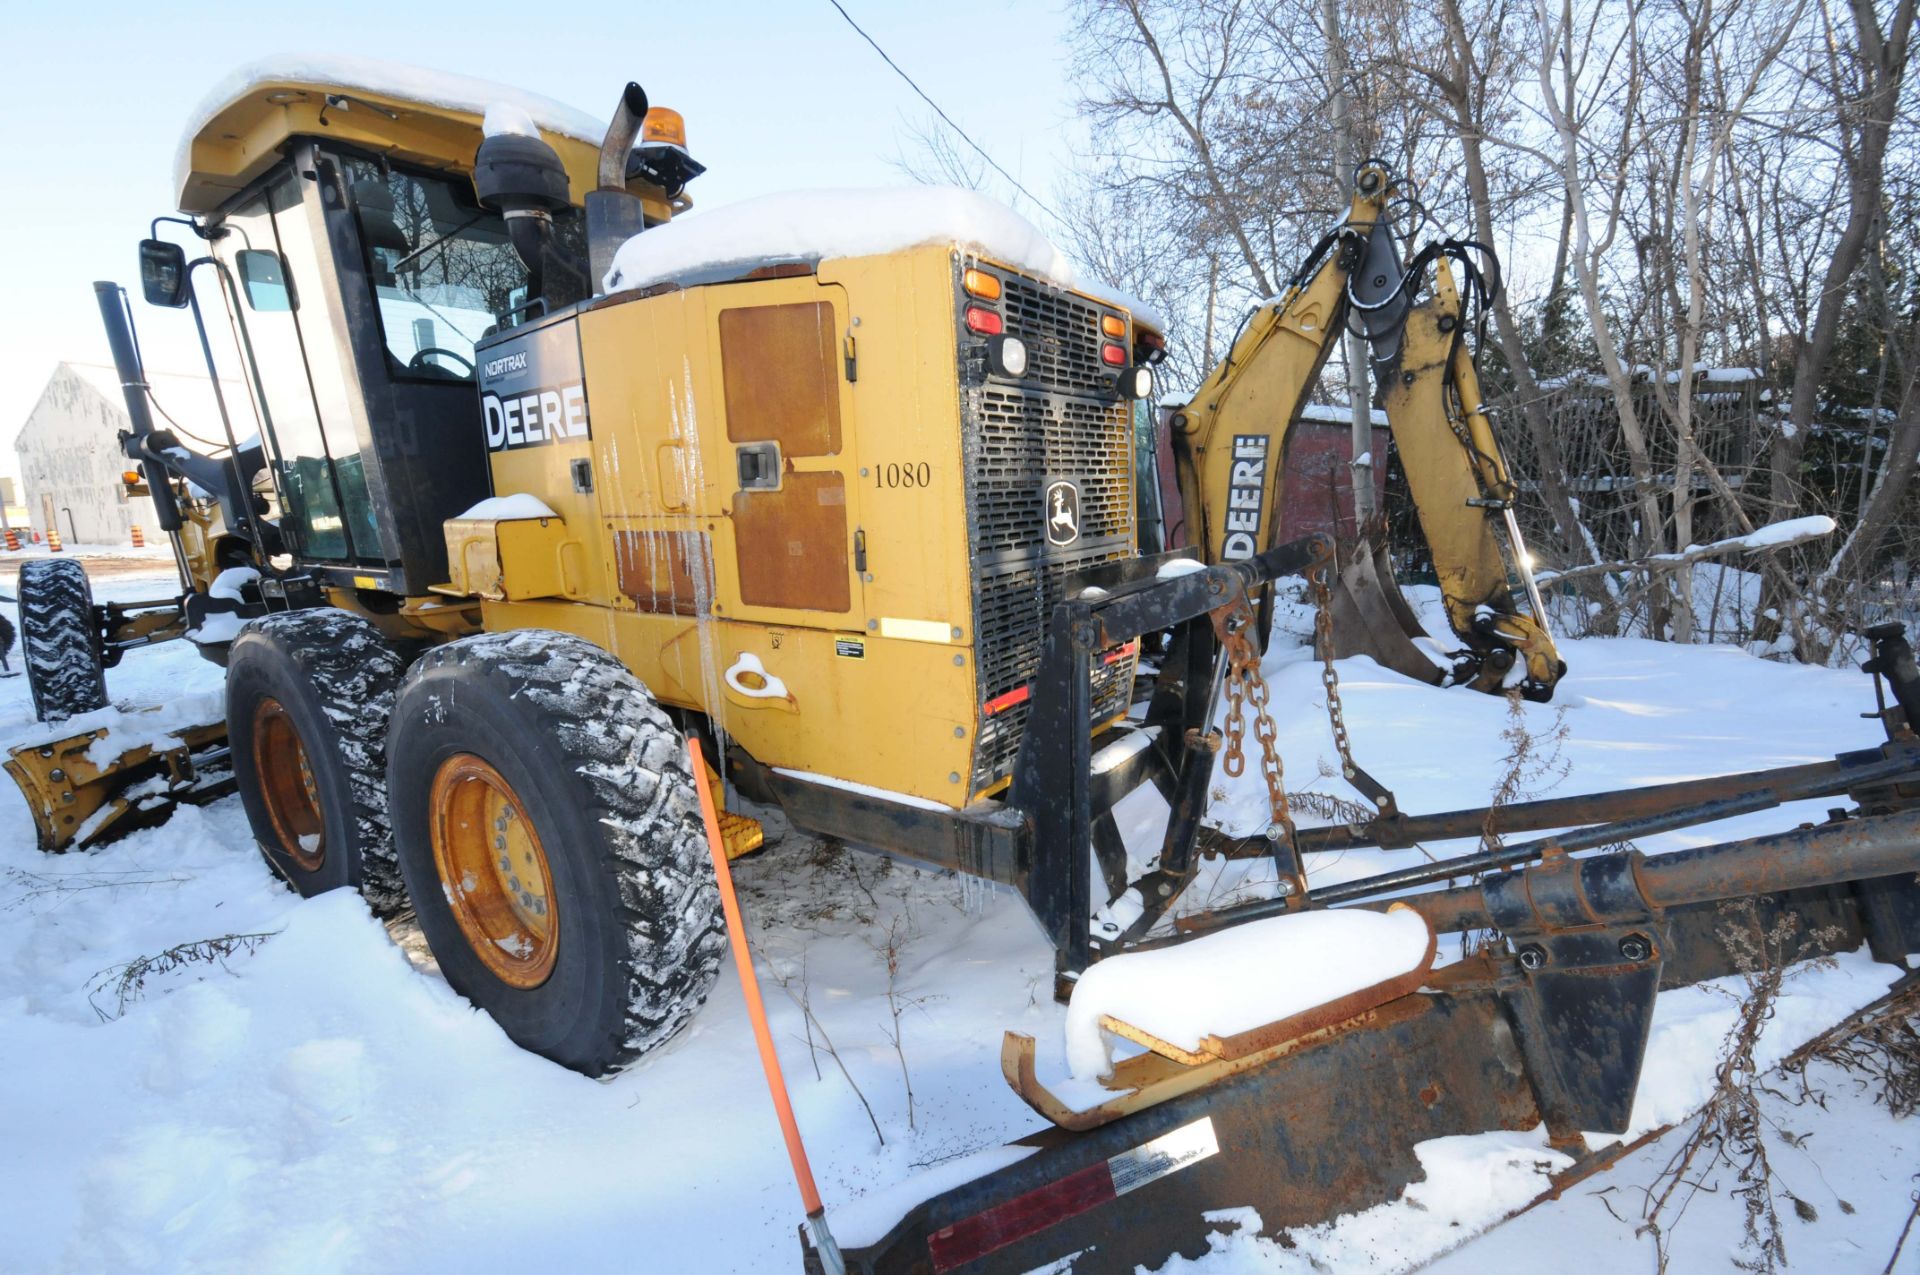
(1565, 49)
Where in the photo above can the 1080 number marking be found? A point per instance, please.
(910, 475)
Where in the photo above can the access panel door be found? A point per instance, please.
(783, 378)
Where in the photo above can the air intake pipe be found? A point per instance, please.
(521, 177)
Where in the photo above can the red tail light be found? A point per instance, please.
(1113, 354)
(1001, 703)
(986, 322)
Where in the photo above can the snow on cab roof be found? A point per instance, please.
(373, 76)
(813, 225)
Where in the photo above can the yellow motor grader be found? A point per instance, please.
(532, 480)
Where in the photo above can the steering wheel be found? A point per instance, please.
(418, 363)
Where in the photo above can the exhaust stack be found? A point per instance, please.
(614, 215)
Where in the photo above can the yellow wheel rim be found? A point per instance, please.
(494, 871)
(287, 785)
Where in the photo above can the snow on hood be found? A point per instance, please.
(814, 225)
(444, 89)
(511, 507)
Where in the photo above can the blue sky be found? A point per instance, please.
(777, 95)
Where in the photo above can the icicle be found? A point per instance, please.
(697, 552)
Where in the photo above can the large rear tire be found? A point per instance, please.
(549, 833)
(58, 641)
(308, 698)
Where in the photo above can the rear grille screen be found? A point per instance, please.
(1062, 335)
(1060, 422)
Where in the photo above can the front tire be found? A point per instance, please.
(550, 836)
(58, 642)
(308, 698)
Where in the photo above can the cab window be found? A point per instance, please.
(443, 271)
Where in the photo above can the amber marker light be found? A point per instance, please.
(979, 283)
(1113, 325)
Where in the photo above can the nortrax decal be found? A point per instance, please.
(535, 417)
(1246, 496)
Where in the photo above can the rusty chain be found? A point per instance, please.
(1244, 684)
(1233, 624)
(1323, 638)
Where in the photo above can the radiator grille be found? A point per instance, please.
(1059, 422)
(1062, 335)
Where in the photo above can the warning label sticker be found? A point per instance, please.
(1168, 1153)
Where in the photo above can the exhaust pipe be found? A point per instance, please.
(621, 134)
(613, 215)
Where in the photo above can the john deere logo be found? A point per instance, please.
(1063, 513)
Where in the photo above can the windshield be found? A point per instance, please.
(443, 271)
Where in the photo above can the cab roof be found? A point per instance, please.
(409, 113)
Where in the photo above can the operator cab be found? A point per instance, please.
(349, 271)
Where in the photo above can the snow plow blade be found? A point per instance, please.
(1371, 617)
(1549, 1033)
(80, 799)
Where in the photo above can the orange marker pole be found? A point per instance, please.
(823, 1241)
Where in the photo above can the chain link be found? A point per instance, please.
(1245, 685)
(1323, 638)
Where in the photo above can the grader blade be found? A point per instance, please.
(1371, 616)
(83, 791)
(1321, 1115)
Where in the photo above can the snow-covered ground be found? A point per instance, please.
(320, 1101)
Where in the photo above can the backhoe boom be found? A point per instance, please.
(1231, 444)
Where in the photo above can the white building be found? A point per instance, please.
(70, 457)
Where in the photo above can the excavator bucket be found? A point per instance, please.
(85, 789)
(1371, 616)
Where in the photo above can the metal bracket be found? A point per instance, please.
(1053, 784)
(1587, 950)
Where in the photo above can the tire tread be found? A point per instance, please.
(64, 670)
(357, 674)
(616, 738)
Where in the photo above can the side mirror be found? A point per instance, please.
(163, 273)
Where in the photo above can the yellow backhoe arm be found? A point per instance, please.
(1234, 432)
(1231, 440)
(1459, 483)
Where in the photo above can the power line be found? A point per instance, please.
(981, 150)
